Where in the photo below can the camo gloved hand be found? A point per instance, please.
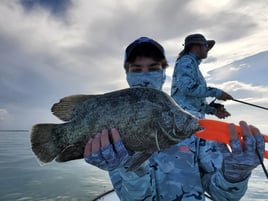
(106, 152)
(220, 111)
(238, 164)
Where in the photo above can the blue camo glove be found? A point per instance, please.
(238, 164)
(110, 157)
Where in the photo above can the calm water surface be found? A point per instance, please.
(22, 178)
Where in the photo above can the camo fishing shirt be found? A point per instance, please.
(183, 172)
(189, 88)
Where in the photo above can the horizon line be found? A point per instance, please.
(8, 130)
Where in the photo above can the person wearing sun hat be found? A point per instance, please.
(189, 88)
(197, 39)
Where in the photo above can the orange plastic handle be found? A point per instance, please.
(219, 131)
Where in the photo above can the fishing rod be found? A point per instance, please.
(265, 108)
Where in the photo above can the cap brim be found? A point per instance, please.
(211, 43)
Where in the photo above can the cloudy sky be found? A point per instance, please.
(53, 48)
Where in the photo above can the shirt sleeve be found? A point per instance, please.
(190, 81)
(133, 185)
(220, 189)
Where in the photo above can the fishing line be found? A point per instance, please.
(265, 108)
(262, 164)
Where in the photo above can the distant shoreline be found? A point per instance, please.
(16, 130)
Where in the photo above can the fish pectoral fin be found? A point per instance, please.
(137, 159)
(65, 108)
(71, 152)
(156, 141)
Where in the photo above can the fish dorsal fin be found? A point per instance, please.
(64, 109)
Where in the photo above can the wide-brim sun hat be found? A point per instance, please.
(141, 41)
(198, 39)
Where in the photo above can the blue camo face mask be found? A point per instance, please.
(153, 79)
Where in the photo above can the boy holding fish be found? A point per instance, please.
(184, 171)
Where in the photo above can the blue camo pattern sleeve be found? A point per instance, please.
(134, 185)
(189, 80)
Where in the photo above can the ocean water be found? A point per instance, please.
(22, 178)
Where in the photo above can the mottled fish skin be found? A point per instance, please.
(147, 120)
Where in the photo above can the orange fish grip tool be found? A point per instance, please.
(219, 131)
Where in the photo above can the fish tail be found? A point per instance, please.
(43, 142)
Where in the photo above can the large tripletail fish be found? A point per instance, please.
(147, 119)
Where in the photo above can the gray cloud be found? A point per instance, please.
(57, 8)
(51, 49)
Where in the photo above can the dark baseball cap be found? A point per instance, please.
(142, 41)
